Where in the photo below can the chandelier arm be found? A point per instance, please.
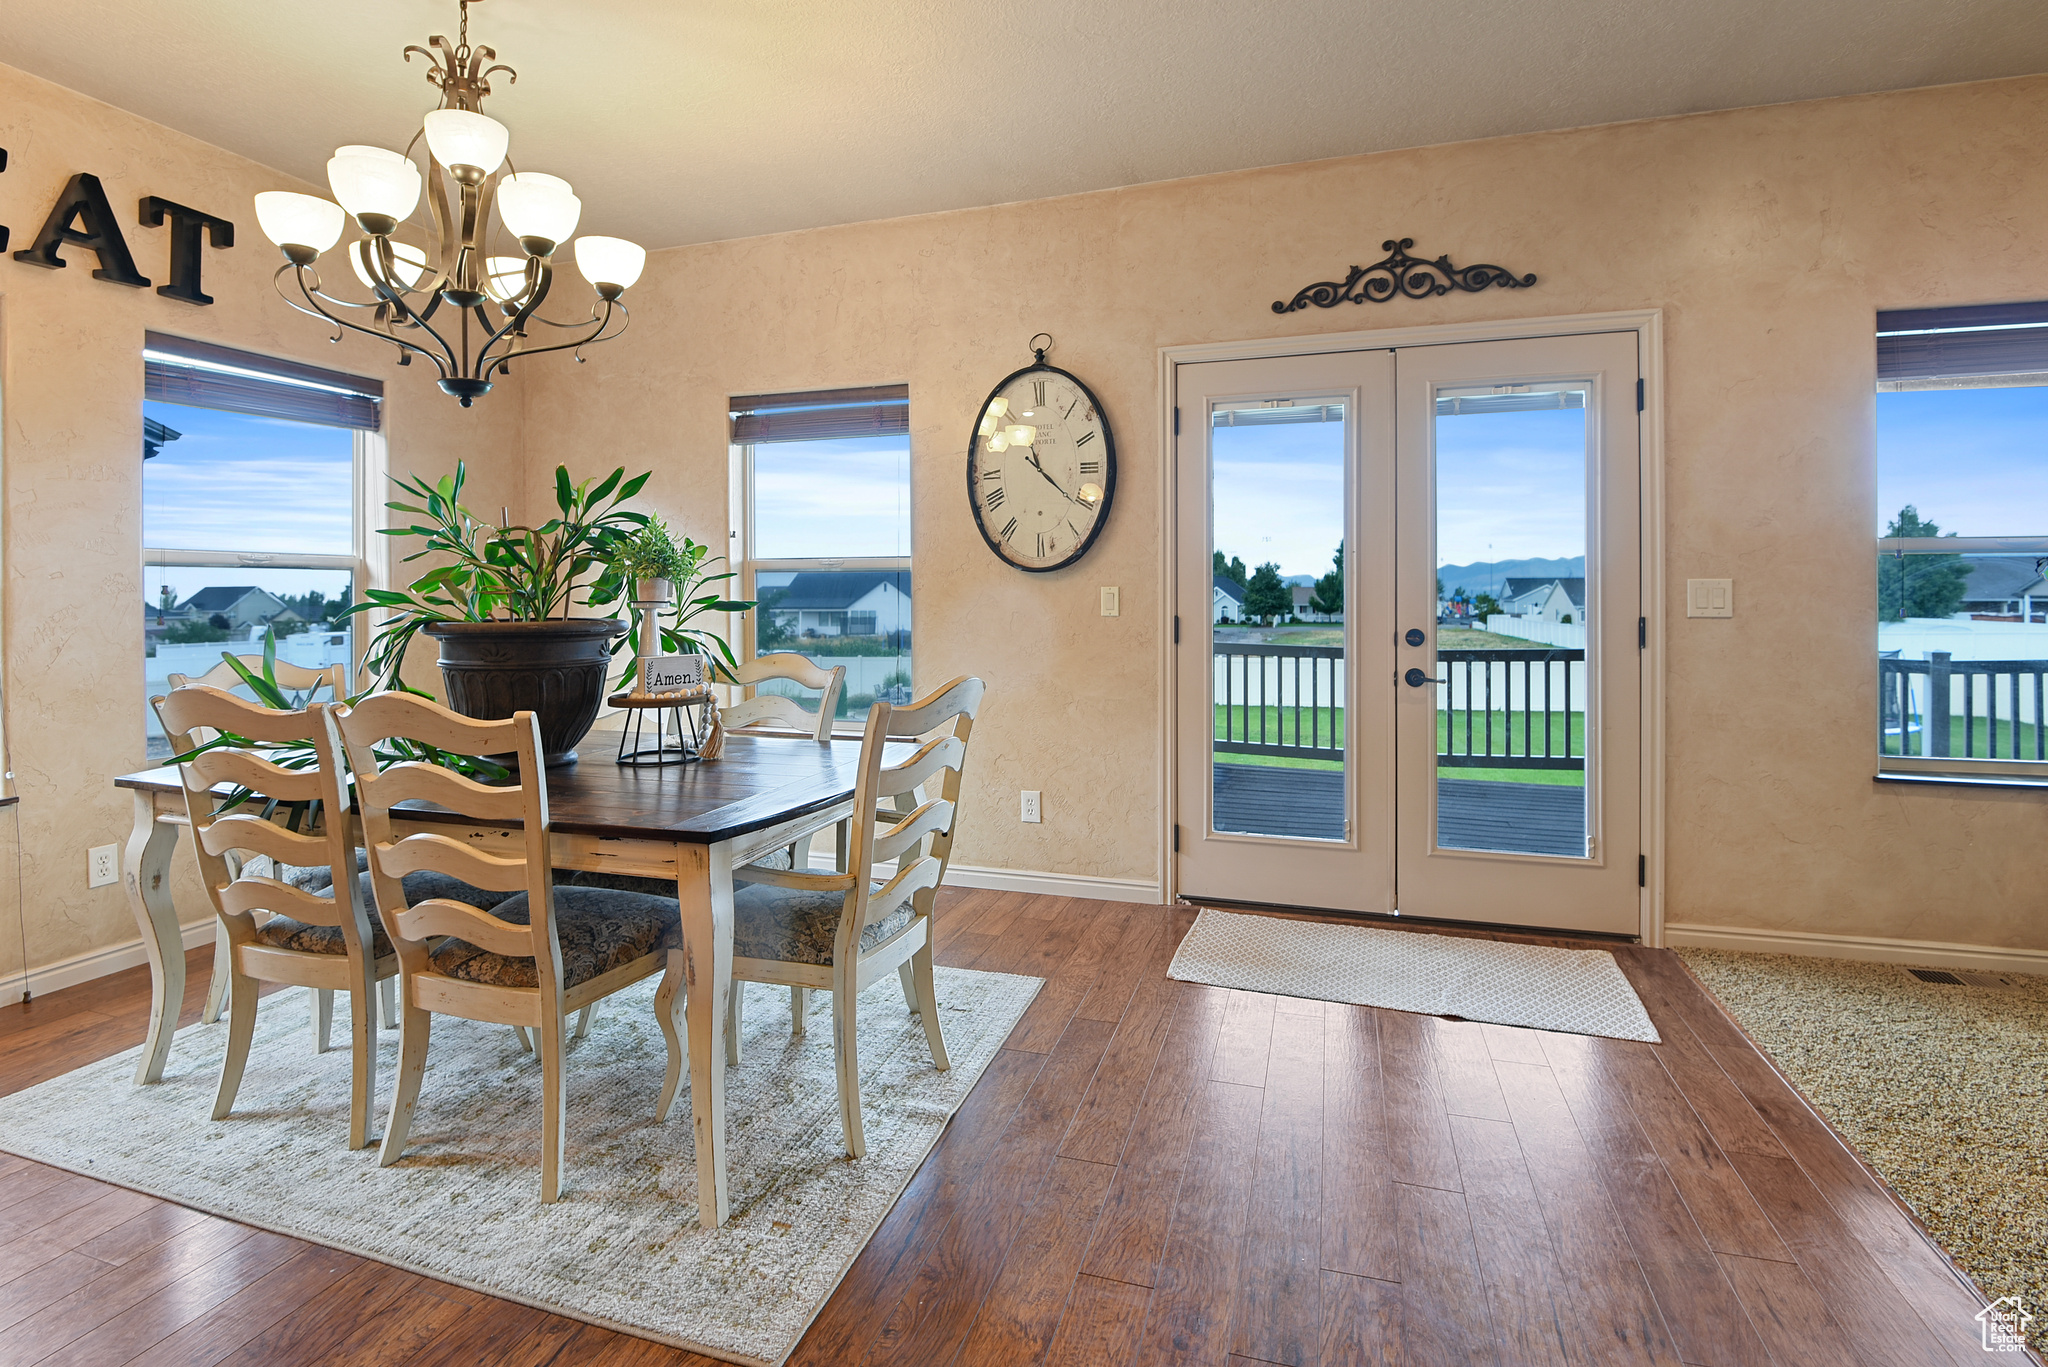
(515, 325)
(312, 308)
(597, 334)
(403, 312)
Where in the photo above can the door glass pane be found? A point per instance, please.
(1511, 618)
(1277, 639)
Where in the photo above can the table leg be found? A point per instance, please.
(704, 890)
(147, 874)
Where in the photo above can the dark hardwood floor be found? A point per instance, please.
(1152, 1172)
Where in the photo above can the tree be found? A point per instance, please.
(1328, 597)
(1231, 569)
(1266, 597)
(1484, 605)
(1918, 585)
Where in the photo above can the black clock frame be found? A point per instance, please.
(1108, 467)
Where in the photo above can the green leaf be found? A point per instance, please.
(565, 492)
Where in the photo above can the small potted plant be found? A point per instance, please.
(652, 572)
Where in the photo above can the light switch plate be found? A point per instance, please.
(1111, 606)
(1710, 597)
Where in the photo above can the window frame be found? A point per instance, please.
(368, 560)
(749, 567)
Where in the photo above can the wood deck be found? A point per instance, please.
(1472, 814)
(1149, 1172)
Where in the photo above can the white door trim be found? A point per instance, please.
(1648, 325)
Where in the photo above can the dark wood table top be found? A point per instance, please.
(757, 782)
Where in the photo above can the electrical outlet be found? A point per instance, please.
(1029, 808)
(102, 865)
(1111, 607)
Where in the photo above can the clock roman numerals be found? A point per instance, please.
(1008, 528)
(1042, 544)
(1038, 393)
(1091, 467)
(1070, 409)
(994, 497)
(1051, 513)
(1084, 439)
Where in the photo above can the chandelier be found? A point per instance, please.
(450, 301)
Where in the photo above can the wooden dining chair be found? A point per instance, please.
(777, 709)
(328, 942)
(842, 931)
(307, 683)
(529, 961)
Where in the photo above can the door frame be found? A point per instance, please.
(1648, 325)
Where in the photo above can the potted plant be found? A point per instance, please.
(500, 603)
(653, 573)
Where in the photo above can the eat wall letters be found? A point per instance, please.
(83, 218)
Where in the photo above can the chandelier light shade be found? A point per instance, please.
(307, 222)
(610, 261)
(534, 204)
(460, 298)
(458, 138)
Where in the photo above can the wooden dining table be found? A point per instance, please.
(688, 822)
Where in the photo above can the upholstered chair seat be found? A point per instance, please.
(600, 929)
(283, 932)
(797, 925)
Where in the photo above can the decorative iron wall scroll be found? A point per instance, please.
(1401, 275)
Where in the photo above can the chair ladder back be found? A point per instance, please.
(860, 852)
(219, 832)
(952, 706)
(334, 677)
(380, 787)
(776, 707)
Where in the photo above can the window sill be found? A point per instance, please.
(1965, 780)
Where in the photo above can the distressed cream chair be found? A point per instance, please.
(527, 962)
(775, 709)
(307, 684)
(842, 931)
(329, 942)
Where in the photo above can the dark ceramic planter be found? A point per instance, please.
(555, 668)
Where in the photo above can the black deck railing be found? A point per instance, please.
(1999, 713)
(1500, 709)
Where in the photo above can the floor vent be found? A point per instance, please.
(1958, 978)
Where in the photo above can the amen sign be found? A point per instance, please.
(672, 674)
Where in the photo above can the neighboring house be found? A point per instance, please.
(1548, 600)
(1305, 611)
(838, 603)
(2005, 586)
(243, 605)
(1229, 596)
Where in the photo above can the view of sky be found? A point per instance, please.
(1973, 461)
(233, 482)
(1279, 494)
(1509, 486)
(845, 497)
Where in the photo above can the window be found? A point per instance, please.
(824, 527)
(252, 472)
(1962, 451)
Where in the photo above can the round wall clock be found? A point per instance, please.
(1041, 466)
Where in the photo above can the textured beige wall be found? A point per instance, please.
(71, 403)
(1767, 236)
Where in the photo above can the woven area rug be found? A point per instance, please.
(1942, 1089)
(622, 1248)
(1578, 991)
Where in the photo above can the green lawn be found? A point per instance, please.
(1980, 747)
(1324, 726)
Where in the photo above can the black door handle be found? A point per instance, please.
(1415, 678)
(1415, 636)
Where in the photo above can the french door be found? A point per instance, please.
(1407, 667)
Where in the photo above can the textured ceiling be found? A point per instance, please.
(705, 119)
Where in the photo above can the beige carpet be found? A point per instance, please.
(623, 1247)
(1942, 1089)
(1580, 991)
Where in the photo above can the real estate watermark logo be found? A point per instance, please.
(2005, 1323)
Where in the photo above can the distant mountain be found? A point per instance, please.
(1486, 576)
(1293, 579)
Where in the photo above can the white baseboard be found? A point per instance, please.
(1054, 884)
(1868, 948)
(98, 963)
